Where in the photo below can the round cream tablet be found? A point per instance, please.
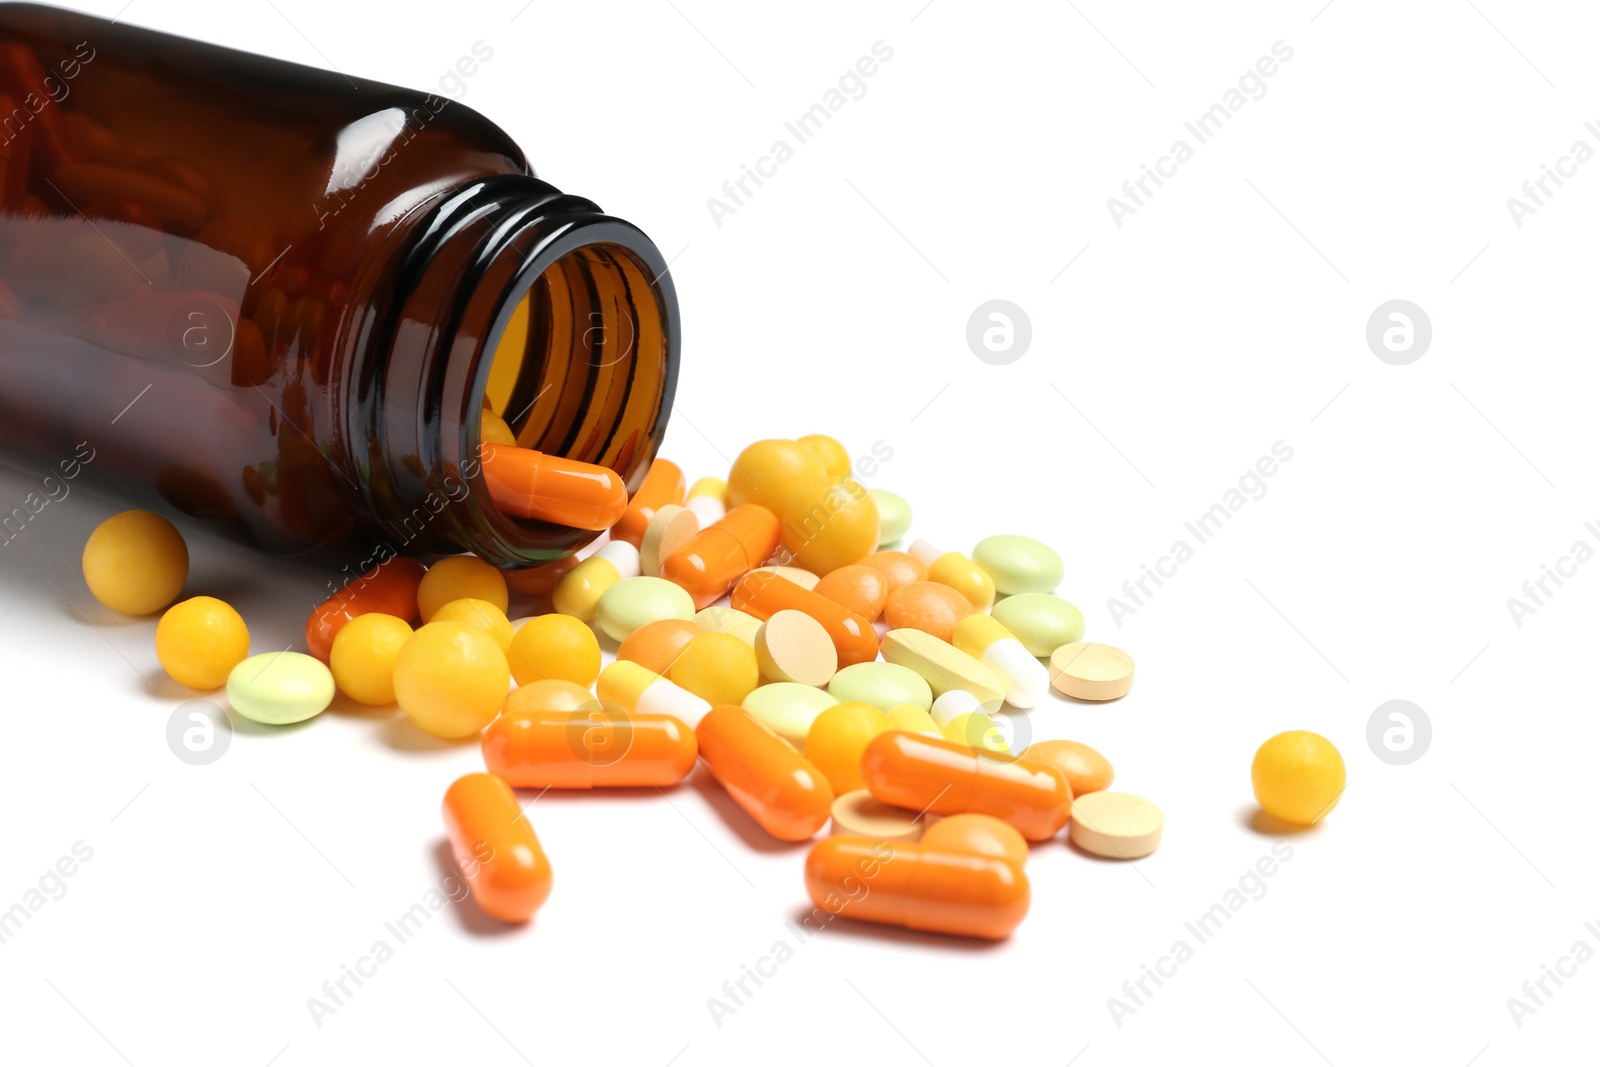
(668, 530)
(862, 813)
(1117, 826)
(1085, 670)
(793, 647)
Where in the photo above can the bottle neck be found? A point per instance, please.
(507, 257)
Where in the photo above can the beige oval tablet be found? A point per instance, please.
(1085, 670)
(862, 813)
(668, 530)
(1117, 826)
(791, 646)
(721, 620)
(798, 575)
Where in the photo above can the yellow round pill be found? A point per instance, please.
(135, 563)
(363, 656)
(555, 646)
(480, 613)
(1298, 776)
(838, 737)
(200, 641)
(717, 668)
(450, 678)
(457, 578)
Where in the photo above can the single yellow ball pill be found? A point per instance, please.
(135, 563)
(450, 678)
(458, 578)
(363, 656)
(555, 646)
(717, 668)
(838, 737)
(480, 613)
(1298, 776)
(200, 641)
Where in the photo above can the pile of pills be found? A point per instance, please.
(764, 625)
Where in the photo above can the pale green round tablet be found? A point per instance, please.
(280, 687)
(633, 602)
(883, 685)
(1019, 564)
(1043, 622)
(894, 516)
(787, 708)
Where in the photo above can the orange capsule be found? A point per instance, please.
(584, 749)
(931, 774)
(538, 581)
(764, 774)
(917, 886)
(535, 485)
(722, 553)
(389, 588)
(496, 848)
(663, 485)
(859, 588)
(764, 595)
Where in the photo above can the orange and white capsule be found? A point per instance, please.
(638, 690)
(536, 485)
(596, 747)
(578, 592)
(957, 572)
(708, 499)
(496, 848)
(723, 552)
(776, 785)
(918, 886)
(945, 777)
(982, 637)
(663, 485)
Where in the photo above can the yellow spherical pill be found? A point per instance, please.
(135, 563)
(493, 430)
(830, 524)
(717, 668)
(838, 737)
(200, 640)
(913, 719)
(555, 646)
(772, 473)
(450, 678)
(830, 451)
(363, 655)
(1298, 776)
(480, 613)
(458, 578)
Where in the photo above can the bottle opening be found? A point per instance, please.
(579, 370)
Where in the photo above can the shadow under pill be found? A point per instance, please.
(1257, 820)
(738, 820)
(465, 909)
(402, 735)
(896, 935)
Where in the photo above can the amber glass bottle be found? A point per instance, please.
(270, 298)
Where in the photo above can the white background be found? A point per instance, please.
(1229, 313)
